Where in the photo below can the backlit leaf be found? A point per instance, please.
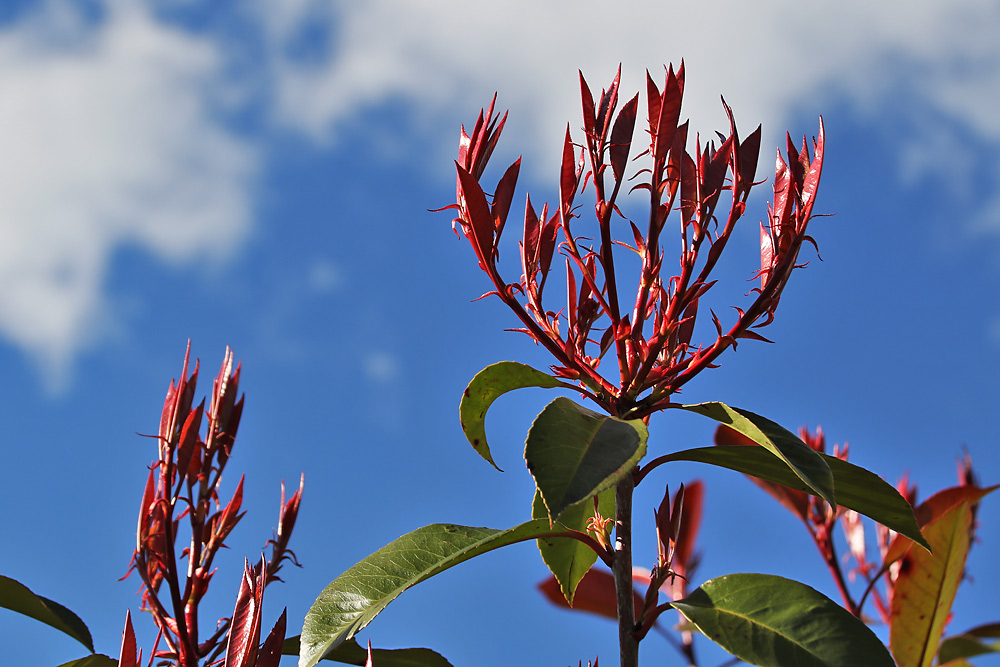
(856, 488)
(490, 383)
(926, 585)
(575, 453)
(568, 559)
(775, 622)
(804, 461)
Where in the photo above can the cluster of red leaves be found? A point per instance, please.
(183, 483)
(652, 335)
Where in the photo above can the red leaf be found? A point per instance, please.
(670, 112)
(270, 653)
(588, 106)
(145, 511)
(569, 178)
(480, 218)
(548, 243)
(621, 137)
(127, 657)
(189, 440)
(688, 533)
(230, 516)
(244, 631)
(595, 593)
(504, 195)
(749, 154)
(811, 181)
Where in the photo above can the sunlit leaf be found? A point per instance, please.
(775, 622)
(568, 559)
(855, 488)
(351, 653)
(354, 598)
(490, 383)
(804, 461)
(18, 597)
(575, 453)
(926, 585)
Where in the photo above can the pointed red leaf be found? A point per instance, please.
(687, 535)
(670, 113)
(244, 630)
(587, 98)
(811, 181)
(609, 100)
(621, 137)
(127, 656)
(503, 197)
(480, 218)
(749, 154)
(270, 653)
(569, 178)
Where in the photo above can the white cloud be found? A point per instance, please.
(770, 59)
(108, 136)
(109, 131)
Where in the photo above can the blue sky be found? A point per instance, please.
(258, 174)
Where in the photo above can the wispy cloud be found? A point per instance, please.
(109, 137)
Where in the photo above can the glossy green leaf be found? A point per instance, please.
(354, 598)
(575, 453)
(95, 660)
(855, 488)
(568, 559)
(804, 461)
(351, 653)
(926, 585)
(18, 597)
(776, 622)
(489, 384)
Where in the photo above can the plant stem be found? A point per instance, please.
(628, 645)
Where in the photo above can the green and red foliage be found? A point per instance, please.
(587, 463)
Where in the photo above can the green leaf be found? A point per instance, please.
(805, 462)
(775, 622)
(964, 646)
(575, 453)
(354, 598)
(927, 582)
(18, 597)
(351, 653)
(855, 488)
(490, 383)
(94, 660)
(568, 559)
